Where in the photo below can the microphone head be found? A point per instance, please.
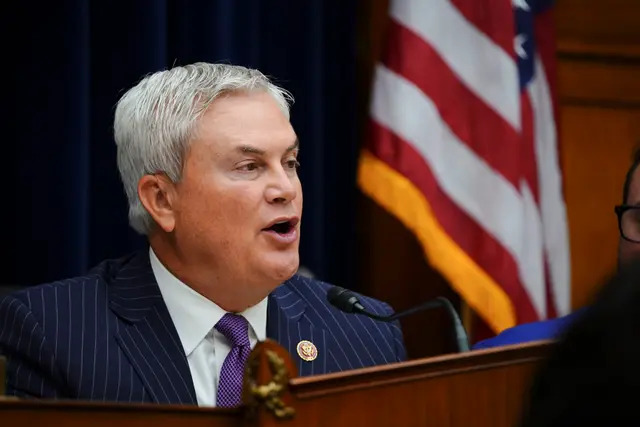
(343, 299)
(333, 294)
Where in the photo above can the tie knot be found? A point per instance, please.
(235, 328)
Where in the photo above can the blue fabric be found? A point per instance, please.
(534, 331)
(108, 336)
(65, 208)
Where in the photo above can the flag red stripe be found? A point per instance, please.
(545, 41)
(544, 30)
(472, 238)
(468, 117)
(494, 18)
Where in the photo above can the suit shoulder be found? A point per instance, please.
(44, 290)
(382, 342)
(304, 285)
(45, 293)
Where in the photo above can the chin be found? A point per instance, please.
(283, 269)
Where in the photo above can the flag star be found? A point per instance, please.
(518, 46)
(521, 4)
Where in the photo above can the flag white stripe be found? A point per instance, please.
(552, 204)
(492, 201)
(480, 64)
(531, 261)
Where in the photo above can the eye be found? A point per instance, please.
(292, 164)
(249, 167)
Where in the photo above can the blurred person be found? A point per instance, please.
(592, 373)
(628, 215)
(209, 160)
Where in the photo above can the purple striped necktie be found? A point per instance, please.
(236, 329)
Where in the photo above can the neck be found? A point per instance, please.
(209, 282)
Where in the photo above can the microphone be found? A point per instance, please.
(348, 302)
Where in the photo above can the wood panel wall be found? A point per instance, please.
(599, 100)
(599, 94)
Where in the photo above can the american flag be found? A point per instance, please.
(464, 151)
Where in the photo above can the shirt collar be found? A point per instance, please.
(194, 315)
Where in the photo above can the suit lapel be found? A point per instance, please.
(148, 336)
(288, 325)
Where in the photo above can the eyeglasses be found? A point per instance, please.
(629, 222)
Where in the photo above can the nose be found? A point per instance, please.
(282, 187)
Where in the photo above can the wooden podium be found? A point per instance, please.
(481, 388)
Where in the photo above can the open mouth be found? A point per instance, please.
(282, 227)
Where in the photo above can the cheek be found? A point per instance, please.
(629, 251)
(239, 206)
(299, 199)
(220, 210)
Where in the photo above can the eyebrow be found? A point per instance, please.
(255, 150)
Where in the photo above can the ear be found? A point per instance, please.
(157, 194)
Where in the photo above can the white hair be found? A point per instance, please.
(156, 119)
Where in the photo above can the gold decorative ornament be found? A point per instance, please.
(270, 394)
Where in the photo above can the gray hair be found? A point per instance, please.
(156, 119)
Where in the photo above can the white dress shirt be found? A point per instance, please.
(194, 317)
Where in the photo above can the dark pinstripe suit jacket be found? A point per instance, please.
(108, 336)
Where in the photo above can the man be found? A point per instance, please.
(628, 250)
(208, 160)
(589, 375)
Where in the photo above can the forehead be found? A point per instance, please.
(245, 118)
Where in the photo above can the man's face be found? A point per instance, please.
(628, 251)
(240, 200)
